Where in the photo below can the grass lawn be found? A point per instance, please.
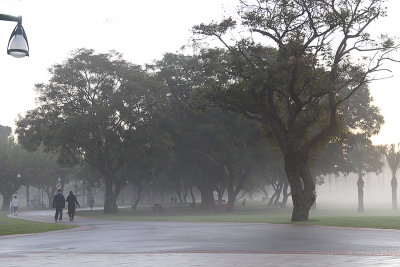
(11, 226)
(257, 213)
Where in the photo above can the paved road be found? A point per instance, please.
(128, 243)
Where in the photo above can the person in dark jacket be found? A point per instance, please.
(71, 199)
(59, 205)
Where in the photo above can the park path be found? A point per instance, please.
(131, 243)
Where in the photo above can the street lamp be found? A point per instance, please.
(18, 44)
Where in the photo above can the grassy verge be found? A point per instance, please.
(257, 213)
(379, 222)
(11, 226)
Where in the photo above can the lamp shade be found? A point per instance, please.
(18, 44)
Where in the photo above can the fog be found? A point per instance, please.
(341, 191)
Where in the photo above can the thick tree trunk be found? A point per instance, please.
(394, 192)
(178, 191)
(207, 198)
(360, 185)
(231, 197)
(301, 184)
(6, 201)
(112, 192)
(232, 192)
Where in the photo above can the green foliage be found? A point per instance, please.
(392, 154)
(90, 110)
(44, 171)
(298, 86)
(12, 167)
(301, 87)
(363, 156)
(213, 148)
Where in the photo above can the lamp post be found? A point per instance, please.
(18, 44)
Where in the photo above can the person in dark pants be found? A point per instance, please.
(91, 202)
(71, 199)
(59, 204)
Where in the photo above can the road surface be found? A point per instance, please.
(131, 243)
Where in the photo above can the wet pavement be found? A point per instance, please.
(130, 243)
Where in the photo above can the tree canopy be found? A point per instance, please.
(90, 110)
(291, 66)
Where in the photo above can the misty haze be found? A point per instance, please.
(199, 133)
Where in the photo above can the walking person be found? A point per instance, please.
(91, 202)
(14, 205)
(59, 205)
(71, 200)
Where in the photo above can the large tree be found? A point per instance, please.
(321, 54)
(11, 166)
(90, 110)
(151, 155)
(392, 154)
(189, 128)
(235, 146)
(363, 157)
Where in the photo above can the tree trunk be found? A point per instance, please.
(207, 198)
(50, 192)
(112, 192)
(231, 197)
(277, 192)
(232, 190)
(265, 192)
(185, 193)
(285, 194)
(220, 195)
(360, 185)
(301, 184)
(394, 192)
(314, 206)
(178, 191)
(83, 194)
(138, 196)
(27, 196)
(50, 199)
(278, 195)
(192, 195)
(220, 192)
(6, 201)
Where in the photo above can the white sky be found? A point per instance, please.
(143, 31)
